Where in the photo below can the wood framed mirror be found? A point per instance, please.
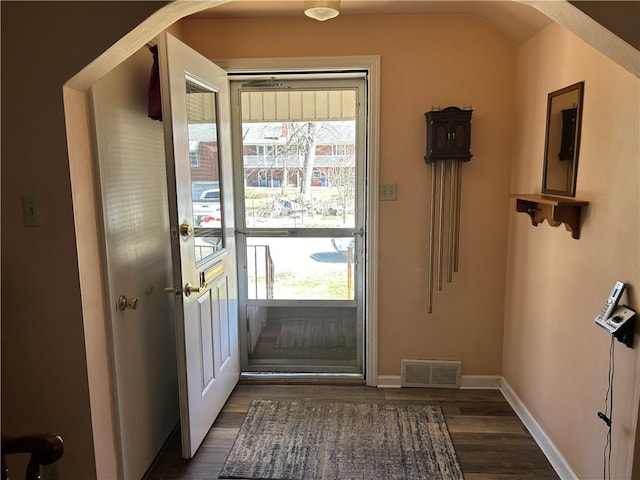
(562, 141)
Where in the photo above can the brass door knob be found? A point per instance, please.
(185, 230)
(189, 289)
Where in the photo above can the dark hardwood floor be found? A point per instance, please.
(490, 440)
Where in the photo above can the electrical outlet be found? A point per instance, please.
(31, 211)
(388, 192)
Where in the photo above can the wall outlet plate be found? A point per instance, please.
(388, 192)
(31, 211)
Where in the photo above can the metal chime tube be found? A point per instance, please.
(432, 226)
(457, 221)
(441, 222)
(448, 139)
(453, 201)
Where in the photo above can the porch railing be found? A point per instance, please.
(260, 272)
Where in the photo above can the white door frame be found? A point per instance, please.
(370, 64)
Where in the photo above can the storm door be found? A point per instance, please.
(299, 165)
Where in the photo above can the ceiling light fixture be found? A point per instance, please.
(321, 10)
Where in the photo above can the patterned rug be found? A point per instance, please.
(282, 440)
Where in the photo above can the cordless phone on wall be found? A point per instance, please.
(617, 319)
(612, 301)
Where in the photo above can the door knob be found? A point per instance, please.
(124, 302)
(189, 289)
(185, 230)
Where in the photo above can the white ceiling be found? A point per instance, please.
(518, 21)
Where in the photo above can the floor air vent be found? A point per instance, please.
(428, 373)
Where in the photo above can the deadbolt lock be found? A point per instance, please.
(124, 302)
(172, 289)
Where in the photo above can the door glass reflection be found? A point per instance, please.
(204, 169)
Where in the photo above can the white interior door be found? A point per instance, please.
(196, 115)
(131, 165)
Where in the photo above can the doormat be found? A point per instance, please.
(282, 440)
(310, 333)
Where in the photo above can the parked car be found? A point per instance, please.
(206, 209)
(210, 221)
(210, 194)
(197, 188)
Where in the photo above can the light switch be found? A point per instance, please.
(31, 211)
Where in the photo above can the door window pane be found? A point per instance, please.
(299, 173)
(304, 337)
(300, 268)
(204, 169)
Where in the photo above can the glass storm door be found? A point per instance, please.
(299, 173)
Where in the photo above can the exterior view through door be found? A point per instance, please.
(299, 164)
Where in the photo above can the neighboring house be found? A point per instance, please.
(271, 153)
(527, 319)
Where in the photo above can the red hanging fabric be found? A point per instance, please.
(155, 102)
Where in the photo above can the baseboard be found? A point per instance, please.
(554, 456)
(389, 381)
(466, 381)
(481, 381)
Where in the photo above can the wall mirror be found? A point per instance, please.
(562, 142)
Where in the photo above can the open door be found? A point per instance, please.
(196, 116)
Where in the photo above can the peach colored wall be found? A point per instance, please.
(44, 374)
(423, 64)
(555, 356)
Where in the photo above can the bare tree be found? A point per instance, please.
(295, 148)
(342, 178)
(303, 138)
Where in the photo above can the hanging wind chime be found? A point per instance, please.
(448, 147)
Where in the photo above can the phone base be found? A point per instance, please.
(621, 324)
(625, 335)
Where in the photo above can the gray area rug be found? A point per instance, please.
(282, 440)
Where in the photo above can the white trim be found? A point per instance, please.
(549, 450)
(481, 381)
(466, 381)
(590, 31)
(371, 292)
(298, 64)
(389, 381)
(554, 456)
(370, 63)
